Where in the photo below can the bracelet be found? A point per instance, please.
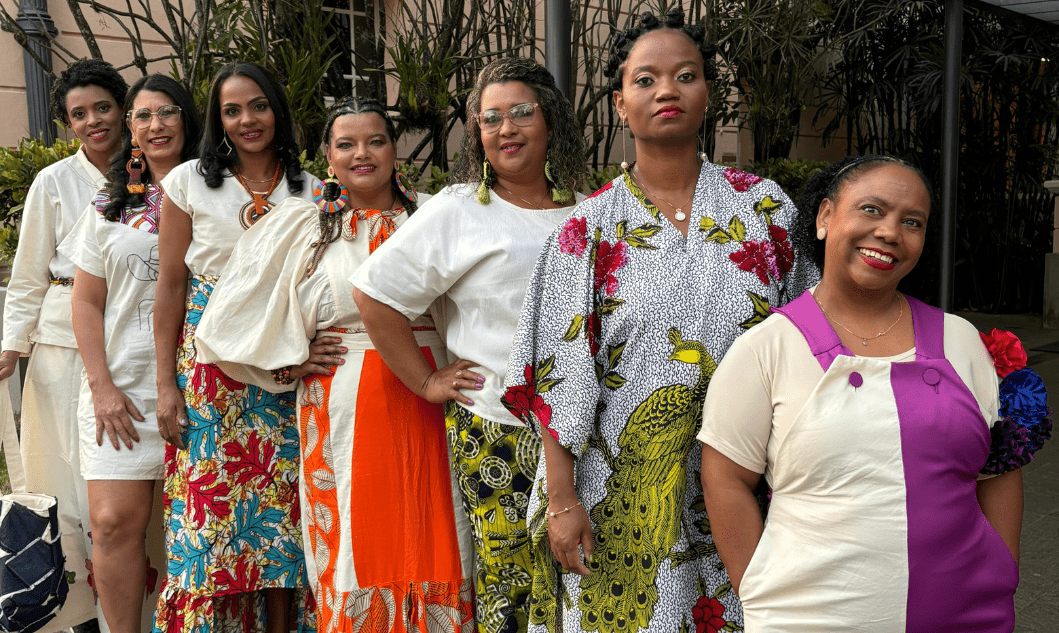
(282, 376)
(552, 515)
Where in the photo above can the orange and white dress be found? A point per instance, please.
(385, 548)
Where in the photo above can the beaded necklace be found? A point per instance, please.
(259, 203)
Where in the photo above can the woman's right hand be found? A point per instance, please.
(113, 412)
(567, 530)
(8, 363)
(172, 415)
(325, 352)
(445, 384)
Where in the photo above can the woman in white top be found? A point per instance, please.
(231, 487)
(471, 250)
(88, 97)
(115, 248)
(381, 509)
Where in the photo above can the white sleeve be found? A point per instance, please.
(737, 414)
(81, 245)
(30, 275)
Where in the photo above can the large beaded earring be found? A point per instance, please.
(135, 169)
(330, 196)
(404, 185)
(483, 189)
(559, 193)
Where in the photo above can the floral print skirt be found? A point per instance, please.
(494, 465)
(231, 508)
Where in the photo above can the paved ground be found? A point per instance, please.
(1037, 599)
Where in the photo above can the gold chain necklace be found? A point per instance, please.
(679, 211)
(539, 206)
(864, 339)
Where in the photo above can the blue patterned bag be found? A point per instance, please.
(33, 584)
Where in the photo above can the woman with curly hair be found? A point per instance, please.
(231, 486)
(115, 248)
(633, 300)
(468, 253)
(87, 96)
(380, 519)
(892, 452)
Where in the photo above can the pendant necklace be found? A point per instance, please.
(678, 214)
(864, 339)
(531, 206)
(259, 203)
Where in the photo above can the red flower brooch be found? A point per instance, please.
(1006, 350)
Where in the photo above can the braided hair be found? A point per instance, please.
(214, 160)
(826, 184)
(118, 176)
(567, 162)
(622, 43)
(331, 223)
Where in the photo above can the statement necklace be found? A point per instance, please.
(864, 339)
(679, 211)
(259, 203)
(531, 205)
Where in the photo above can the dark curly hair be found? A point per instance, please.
(826, 184)
(622, 43)
(118, 176)
(86, 72)
(566, 147)
(213, 160)
(331, 223)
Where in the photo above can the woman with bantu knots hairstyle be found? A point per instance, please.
(634, 300)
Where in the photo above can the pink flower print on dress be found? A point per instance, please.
(773, 258)
(573, 238)
(526, 405)
(609, 260)
(741, 180)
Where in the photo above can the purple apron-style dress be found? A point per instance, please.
(893, 539)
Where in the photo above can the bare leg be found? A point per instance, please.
(120, 512)
(278, 610)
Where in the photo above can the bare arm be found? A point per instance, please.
(112, 407)
(569, 528)
(1001, 500)
(174, 238)
(391, 334)
(735, 518)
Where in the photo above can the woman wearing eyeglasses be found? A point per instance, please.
(115, 248)
(468, 253)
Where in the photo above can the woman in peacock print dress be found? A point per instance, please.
(633, 302)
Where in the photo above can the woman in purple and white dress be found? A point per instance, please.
(892, 451)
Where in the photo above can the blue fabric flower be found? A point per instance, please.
(1023, 398)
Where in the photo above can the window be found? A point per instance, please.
(357, 26)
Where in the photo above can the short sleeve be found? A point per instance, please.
(551, 377)
(419, 263)
(737, 414)
(177, 182)
(81, 245)
(260, 315)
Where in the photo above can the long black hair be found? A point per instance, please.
(566, 147)
(827, 183)
(622, 43)
(214, 153)
(190, 121)
(86, 72)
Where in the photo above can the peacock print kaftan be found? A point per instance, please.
(622, 328)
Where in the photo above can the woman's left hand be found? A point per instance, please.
(324, 353)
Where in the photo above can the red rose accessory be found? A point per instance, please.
(1006, 350)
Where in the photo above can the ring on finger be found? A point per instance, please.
(459, 373)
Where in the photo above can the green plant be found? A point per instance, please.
(317, 166)
(600, 177)
(789, 174)
(19, 166)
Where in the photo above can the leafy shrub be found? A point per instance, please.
(19, 166)
(791, 175)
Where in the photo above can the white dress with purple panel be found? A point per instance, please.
(874, 523)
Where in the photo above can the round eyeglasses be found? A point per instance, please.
(167, 115)
(520, 114)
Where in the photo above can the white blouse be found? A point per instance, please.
(480, 259)
(215, 226)
(35, 310)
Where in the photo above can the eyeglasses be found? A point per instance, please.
(520, 114)
(167, 115)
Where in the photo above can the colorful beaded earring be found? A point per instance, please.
(559, 194)
(404, 185)
(330, 195)
(135, 168)
(483, 189)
